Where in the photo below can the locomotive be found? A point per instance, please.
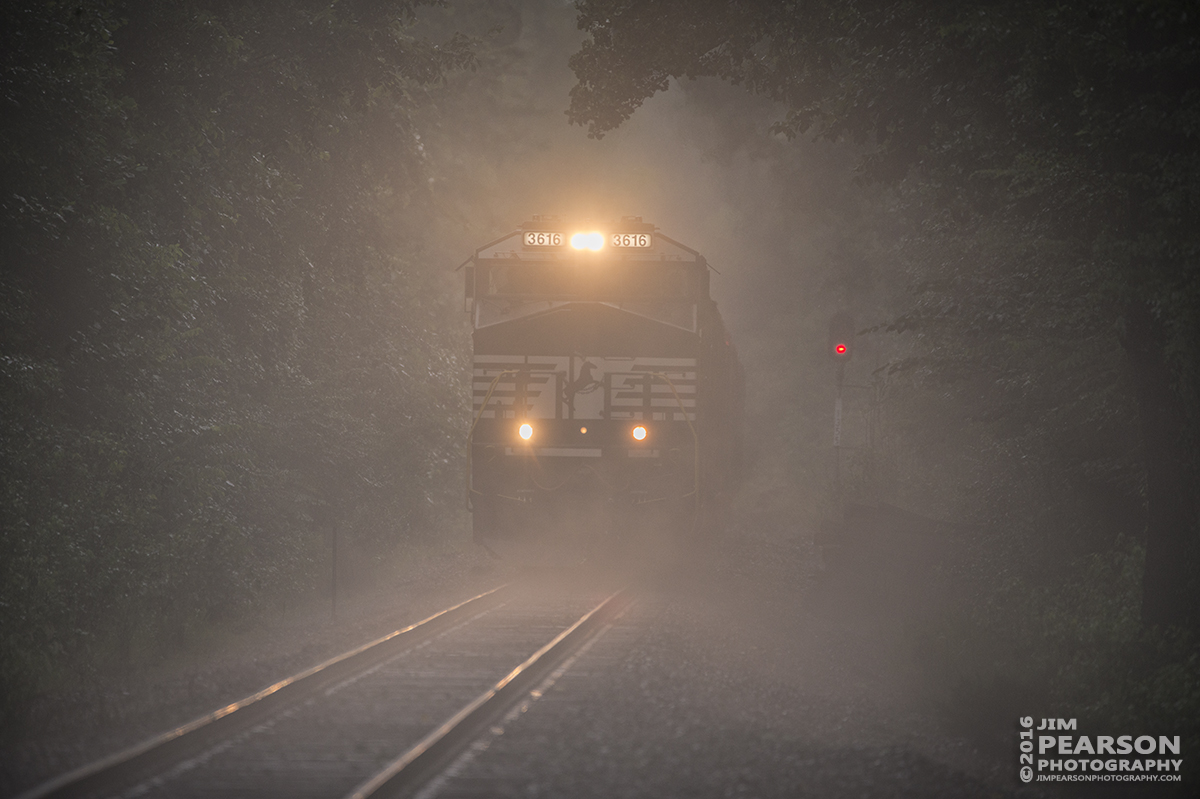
(607, 394)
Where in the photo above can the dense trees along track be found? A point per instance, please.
(381, 720)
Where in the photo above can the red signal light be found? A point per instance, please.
(841, 337)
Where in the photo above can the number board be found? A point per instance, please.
(633, 240)
(534, 238)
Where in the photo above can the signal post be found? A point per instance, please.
(840, 348)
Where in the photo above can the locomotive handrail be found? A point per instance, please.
(678, 401)
(695, 445)
(471, 432)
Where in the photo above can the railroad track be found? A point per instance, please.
(382, 720)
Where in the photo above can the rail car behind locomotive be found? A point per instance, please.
(607, 394)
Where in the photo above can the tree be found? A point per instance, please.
(214, 316)
(1064, 134)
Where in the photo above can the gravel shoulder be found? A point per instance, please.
(741, 678)
(120, 709)
(742, 675)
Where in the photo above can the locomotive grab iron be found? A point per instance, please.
(607, 394)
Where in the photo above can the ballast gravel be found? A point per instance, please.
(119, 709)
(726, 684)
(730, 678)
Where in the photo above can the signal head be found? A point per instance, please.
(841, 337)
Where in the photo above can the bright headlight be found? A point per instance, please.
(639, 433)
(525, 431)
(588, 241)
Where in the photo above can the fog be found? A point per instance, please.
(948, 480)
(236, 370)
(781, 222)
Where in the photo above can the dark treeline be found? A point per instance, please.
(224, 331)
(1033, 172)
(218, 336)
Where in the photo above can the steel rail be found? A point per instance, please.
(408, 773)
(126, 768)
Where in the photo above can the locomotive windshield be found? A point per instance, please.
(600, 281)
